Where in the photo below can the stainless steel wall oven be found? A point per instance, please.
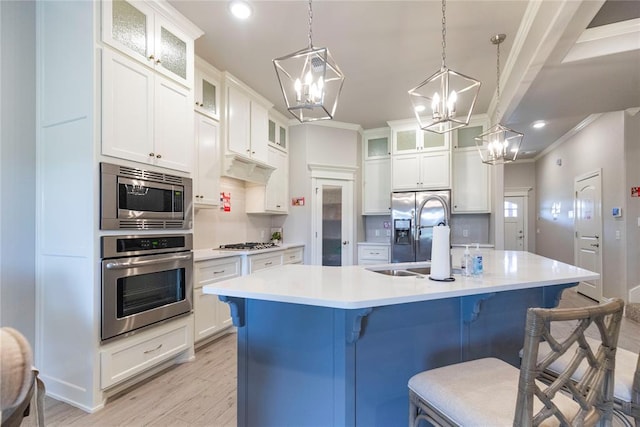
(133, 198)
(145, 280)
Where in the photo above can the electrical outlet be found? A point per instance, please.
(262, 234)
(388, 233)
(617, 234)
(465, 232)
(377, 233)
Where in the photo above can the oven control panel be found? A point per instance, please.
(117, 246)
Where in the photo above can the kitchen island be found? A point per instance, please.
(336, 346)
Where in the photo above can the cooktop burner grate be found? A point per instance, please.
(248, 246)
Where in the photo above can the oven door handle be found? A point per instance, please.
(122, 265)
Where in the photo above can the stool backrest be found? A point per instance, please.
(594, 392)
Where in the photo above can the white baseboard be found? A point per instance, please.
(634, 294)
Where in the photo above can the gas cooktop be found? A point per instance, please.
(249, 246)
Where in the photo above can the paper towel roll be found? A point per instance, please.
(440, 253)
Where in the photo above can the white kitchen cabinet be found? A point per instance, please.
(211, 315)
(261, 261)
(373, 253)
(294, 255)
(206, 183)
(247, 122)
(145, 117)
(426, 171)
(130, 356)
(278, 131)
(471, 186)
(140, 31)
(271, 198)
(206, 93)
(376, 183)
(407, 137)
(420, 160)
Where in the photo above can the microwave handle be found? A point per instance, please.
(122, 265)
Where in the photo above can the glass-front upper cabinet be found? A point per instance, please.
(207, 89)
(464, 138)
(376, 143)
(137, 30)
(277, 130)
(407, 137)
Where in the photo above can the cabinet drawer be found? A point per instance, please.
(133, 355)
(293, 256)
(375, 253)
(260, 262)
(215, 270)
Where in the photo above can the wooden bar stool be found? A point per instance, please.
(626, 390)
(490, 392)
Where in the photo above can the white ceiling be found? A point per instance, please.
(385, 48)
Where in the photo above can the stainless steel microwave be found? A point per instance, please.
(139, 199)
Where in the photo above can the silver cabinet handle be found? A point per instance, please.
(219, 272)
(595, 245)
(115, 265)
(155, 349)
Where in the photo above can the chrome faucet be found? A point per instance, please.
(444, 204)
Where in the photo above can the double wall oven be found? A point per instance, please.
(146, 278)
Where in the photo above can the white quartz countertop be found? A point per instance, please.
(355, 287)
(215, 253)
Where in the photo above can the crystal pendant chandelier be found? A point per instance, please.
(444, 101)
(499, 144)
(310, 81)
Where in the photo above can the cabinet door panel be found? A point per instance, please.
(405, 172)
(470, 183)
(127, 108)
(206, 319)
(173, 52)
(436, 170)
(276, 190)
(238, 107)
(173, 125)
(208, 162)
(259, 132)
(377, 186)
(128, 27)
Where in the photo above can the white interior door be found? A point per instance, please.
(588, 229)
(333, 222)
(514, 230)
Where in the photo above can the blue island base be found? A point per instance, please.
(302, 365)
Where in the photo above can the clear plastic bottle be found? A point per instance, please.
(466, 265)
(477, 262)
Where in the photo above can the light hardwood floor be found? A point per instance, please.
(203, 392)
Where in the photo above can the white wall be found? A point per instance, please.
(599, 145)
(519, 176)
(319, 144)
(17, 166)
(631, 212)
(213, 227)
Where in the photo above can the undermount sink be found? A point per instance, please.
(409, 272)
(395, 272)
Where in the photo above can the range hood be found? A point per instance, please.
(239, 167)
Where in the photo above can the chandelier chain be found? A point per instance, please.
(498, 82)
(310, 22)
(444, 31)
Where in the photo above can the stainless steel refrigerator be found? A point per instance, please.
(413, 216)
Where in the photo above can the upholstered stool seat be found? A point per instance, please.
(490, 392)
(485, 396)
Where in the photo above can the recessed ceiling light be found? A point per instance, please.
(539, 124)
(240, 9)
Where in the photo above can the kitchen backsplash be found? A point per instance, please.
(464, 228)
(214, 227)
